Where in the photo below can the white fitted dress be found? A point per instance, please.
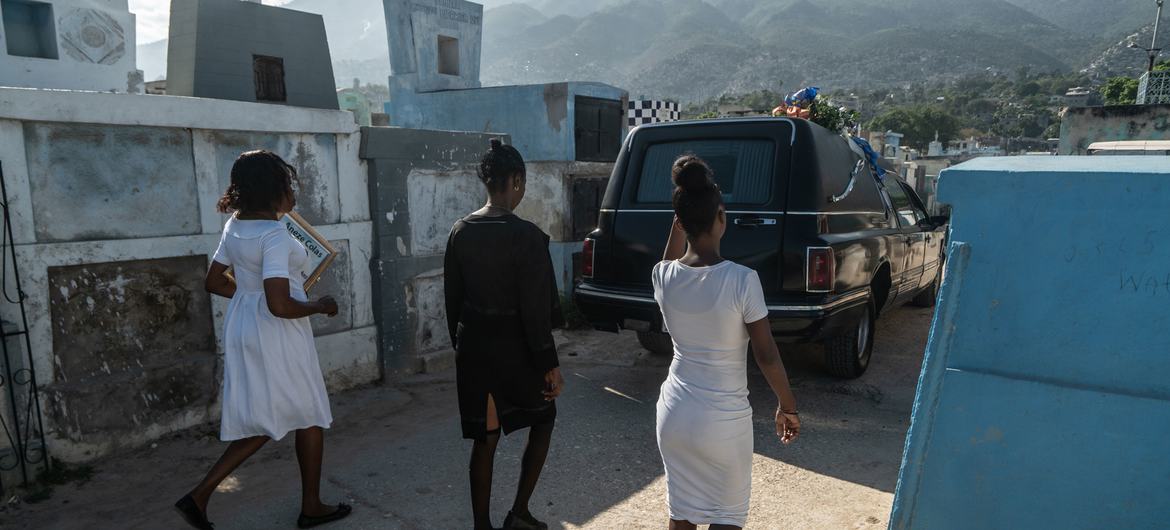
(272, 381)
(704, 418)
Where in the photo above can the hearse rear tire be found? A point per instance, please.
(847, 355)
(656, 343)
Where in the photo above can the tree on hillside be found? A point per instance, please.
(1120, 91)
(919, 124)
(1028, 89)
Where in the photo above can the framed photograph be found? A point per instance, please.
(321, 253)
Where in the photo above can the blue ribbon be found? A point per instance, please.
(872, 156)
(804, 95)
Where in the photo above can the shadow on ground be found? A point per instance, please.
(395, 452)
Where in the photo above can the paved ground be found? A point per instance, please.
(396, 455)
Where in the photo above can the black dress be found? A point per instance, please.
(502, 305)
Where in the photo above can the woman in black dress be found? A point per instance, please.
(502, 306)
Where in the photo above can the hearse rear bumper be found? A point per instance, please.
(614, 309)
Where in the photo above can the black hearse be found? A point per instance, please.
(834, 244)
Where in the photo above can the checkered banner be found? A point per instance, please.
(642, 112)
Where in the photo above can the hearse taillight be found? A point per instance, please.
(587, 259)
(820, 269)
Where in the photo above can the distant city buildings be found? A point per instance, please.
(353, 100)
(974, 147)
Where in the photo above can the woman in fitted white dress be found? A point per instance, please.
(272, 383)
(712, 308)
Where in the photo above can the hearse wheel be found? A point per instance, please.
(656, 343)
(847, 355)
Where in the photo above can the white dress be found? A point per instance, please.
(272, 381)
(704, 418)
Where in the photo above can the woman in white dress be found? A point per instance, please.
(711, 307)
(272, 381)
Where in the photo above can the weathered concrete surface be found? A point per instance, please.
(313, 155)
(338, 283)
(1018, 364)
(91, 45)
(93, 182)
(429, 300)
(396, 453)
(540, 118)
(134, 348)
(415, 27)
(212, 44)
(420, 183)
(115, 180)
(443, 197)
(548, 197)
(1082, 126)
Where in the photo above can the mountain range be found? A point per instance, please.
(696, 49)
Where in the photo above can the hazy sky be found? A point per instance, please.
(153, 16)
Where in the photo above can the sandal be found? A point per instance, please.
(523, 522)
(192, 514)
(342, 511)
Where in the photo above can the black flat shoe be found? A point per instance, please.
(342, 511)
(192, 514)
(523, 522)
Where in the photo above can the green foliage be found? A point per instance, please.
(832, 117)
(761, 100)
(1120, 91)
(1019, 105)
(1028, 89)
(919, 123)
(1053, 130)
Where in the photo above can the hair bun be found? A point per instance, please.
(691, 173)
(496, 143)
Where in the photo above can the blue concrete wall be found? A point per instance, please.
(564, 258)
(539, 117)
(1044, 398)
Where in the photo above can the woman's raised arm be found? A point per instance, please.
(676, 242)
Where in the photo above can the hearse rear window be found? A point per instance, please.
(743, 169)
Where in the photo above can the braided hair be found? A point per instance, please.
(498, 163)
(260, 179)
(696, 198)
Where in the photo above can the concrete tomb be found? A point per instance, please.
(435, 48)
(1043, 400)
(245, 51)
(68, 44)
